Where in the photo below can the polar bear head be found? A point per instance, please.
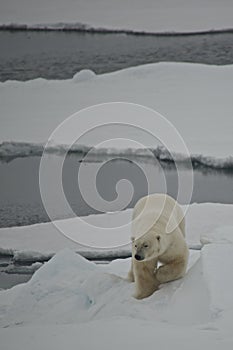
(151, 245)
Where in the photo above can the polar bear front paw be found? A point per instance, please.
(138, 296)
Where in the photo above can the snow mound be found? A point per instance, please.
(69, 298)
(83, 75)
(70, 289)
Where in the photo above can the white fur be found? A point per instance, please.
(158, 235)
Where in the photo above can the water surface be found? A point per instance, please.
(21, 204)
(59, 55)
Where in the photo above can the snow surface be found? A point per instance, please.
(39, 242)
(195, 98)
(136, 15)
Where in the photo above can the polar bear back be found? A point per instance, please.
(160, 210)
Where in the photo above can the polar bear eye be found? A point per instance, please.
(146, 245)
(135, 245)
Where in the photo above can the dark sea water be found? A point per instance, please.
(20, 199)
(27, 55)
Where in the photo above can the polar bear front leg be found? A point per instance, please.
(146, 282)
(171, 271)
(145, 287)
(130, 276)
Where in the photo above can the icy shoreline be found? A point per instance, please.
(84, 28)
(13, 150)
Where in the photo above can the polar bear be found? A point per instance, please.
(158, 236)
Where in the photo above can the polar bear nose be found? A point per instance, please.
(138, 257)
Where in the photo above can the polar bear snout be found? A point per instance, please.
(138, 257)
